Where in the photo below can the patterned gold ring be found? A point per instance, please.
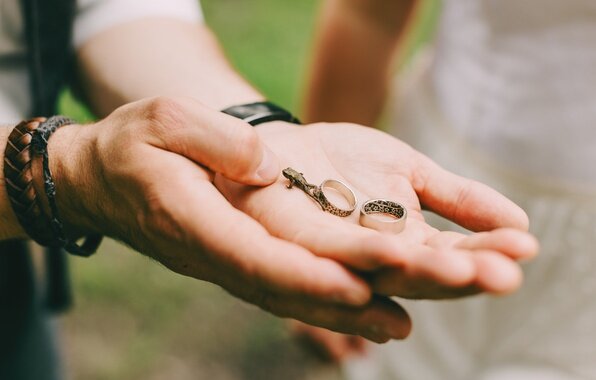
(394, 215)
(342, 189)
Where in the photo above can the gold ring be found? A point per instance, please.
(341, 188)
(394, 219)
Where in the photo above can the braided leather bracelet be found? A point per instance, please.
(28, 139)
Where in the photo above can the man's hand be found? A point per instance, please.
(144, 176)
(421, 262)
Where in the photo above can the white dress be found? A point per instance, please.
(509, 98)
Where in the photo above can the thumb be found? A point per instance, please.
(468, 203)
(220, 142)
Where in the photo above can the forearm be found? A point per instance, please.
(353, 59)
(152, 57)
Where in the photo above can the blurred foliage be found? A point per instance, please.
(267, 41)
(136, 320)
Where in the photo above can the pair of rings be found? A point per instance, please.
(379, 214)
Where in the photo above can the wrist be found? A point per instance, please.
(31, 186)
(72, 166)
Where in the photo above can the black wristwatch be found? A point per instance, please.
(261, 112)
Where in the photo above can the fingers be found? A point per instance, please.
(468, 203)
(430, 274)
(357, 247)
(497, 274)
(379, 321)
(290, 270)
(513, 243)
(491, 254)
(494, 273)
(242, 252)
(215, 140)
(296, 218)
(278, 276)
(436, 270)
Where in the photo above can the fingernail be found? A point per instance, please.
(269, 168)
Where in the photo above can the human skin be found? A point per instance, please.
(355, 50)
(144, 175)
(347, 85)
(421, 261)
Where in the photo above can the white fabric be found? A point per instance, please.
(518, 79)
(510, 99)
(93, 16)
(545, 331)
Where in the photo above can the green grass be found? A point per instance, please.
(267, 41)
(134, 319)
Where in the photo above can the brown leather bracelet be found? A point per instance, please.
(19, 183)
(28, 139)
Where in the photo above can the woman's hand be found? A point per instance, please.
(420, 262)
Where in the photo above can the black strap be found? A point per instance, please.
(17, 293)
(261, 112)
(49, 50)
(39, 145)
(48, 25)
(58, 296)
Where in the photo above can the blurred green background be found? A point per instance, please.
(133, 319)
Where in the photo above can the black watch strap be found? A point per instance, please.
(261, 112)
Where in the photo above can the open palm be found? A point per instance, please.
(420, 262)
